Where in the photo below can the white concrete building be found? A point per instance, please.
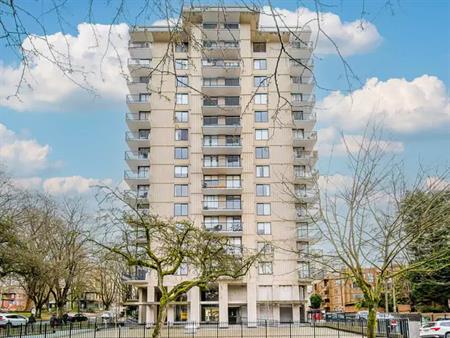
(215, 137)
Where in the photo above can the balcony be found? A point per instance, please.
(304, 120)
(135, 158)
(303, 102)
(221, 49)
(308, 140)
(140, 67)
(221, 31)
(307, 196)
(222, 148)
(301, 49)
(304, 277)
(222, 208)
(136, 121)
(222, 187)
(222, 129)
(135, 139)
(136, 176)
(136, 197)
(306, 158)
(298, 66)
(233, 229)
(302, 84)
(222, 86)
(138, 277)
(226, 106)
(139, 85)
(138, 102)
(222, 167)
(305, 177)
(140, 50)
(221, 68)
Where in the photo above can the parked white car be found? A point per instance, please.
(438, 329)
(12, 319)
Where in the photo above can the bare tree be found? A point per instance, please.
(363, 222)
(166, 247)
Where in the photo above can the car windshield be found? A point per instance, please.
(431, 324)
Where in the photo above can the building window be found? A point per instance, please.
(261, 116)
(261, 134)
(298, 134)
(182, 98)
(262, 152)
(181, 190)
(181, 134)
(298, 115)
(263, 209)
(261, 81)
(265, 248)
(264, 228)
(260, 64)
(259, 47)
(265, 268)
(260, 98)
(262, 171)
(142, 191)
(181, 153)
(182, 81)
(299, 171)
(297, 97)
(181, 171)
(303, 270)
(180, 209)
(181, 116)
(263, 190)
(182, 270)
(181, 64)
(211, 202)
(181, 47)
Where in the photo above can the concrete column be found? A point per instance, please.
(251, 304)
(223, 304)
(151, 309)
(194, 311)
(296, 313)
(276, 312)
(171, 314)
(141, 307)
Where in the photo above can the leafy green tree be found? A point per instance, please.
(430, 289)
(315, 300)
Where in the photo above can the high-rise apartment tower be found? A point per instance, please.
(221, 131)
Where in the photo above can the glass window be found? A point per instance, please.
(210, 82)
(182, 270)
(211, 202)
(210, 140)
(182, 81)
(181, 190)
(211, 161)
(181, 153)
(181, 64)
(297, 97)
(262, 134)
(265, 248)
(299, 170)
(303, 270)
(259, 47)
(298, 134)
(261, 116)
(142, 191)
(144, 134)
(233, 161)
(261, 81)
(182, 98)
(263, 209)
(231, 25)
(262, 171)
(209, 25)
(181, 171)
(180, 209)
(260, 64)
(181, 47)
(298, 115)
(264, 228)
(181, 134)
(181, 116)
(232, 121)
(232, 82)
(260, 98)
(263, 190)
(210, 120)
(231, 100)
(265, 268)
(262, 152)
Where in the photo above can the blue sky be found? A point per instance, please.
(409, 55)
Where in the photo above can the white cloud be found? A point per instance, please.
(333, 143)
(332, 184)
(403, 106)
(72, 184)
(437, 183)
(88, 60)
(27, 182)
(353, 37)
(21, 155)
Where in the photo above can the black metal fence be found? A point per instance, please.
(261, 329)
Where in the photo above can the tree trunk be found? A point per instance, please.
(372, 320)
(160, 320)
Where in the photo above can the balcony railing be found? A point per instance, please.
(220, 64)
(223, 227)
(226, 84)
(305, 117)
(298, 80)
(130, 136)
(304, 99)
(223, 125)
(302, 63)
(306, 193)
(137, 117)
(222, 143)
(221, 164)
(138, 275)
(228, 102)
(306, 174)
(140, 45)
(306, 136)
(222, 183)
(135, 155)
(222, 205)
(132, 175)
(138, 98)
(305, 155)
(220, 45)
(302, 44)
(140, 62)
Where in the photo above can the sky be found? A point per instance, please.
(62, 139)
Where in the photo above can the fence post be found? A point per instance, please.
(266, 327)
(242, 330)
(20, 333)
(168, 330)
(290, 329)
(95, 328)
(70, 329)
(362, 328)
(217, 330)
(45, 330)
(388, 328)
(314, 327)
(119, 331)
(338, 330)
